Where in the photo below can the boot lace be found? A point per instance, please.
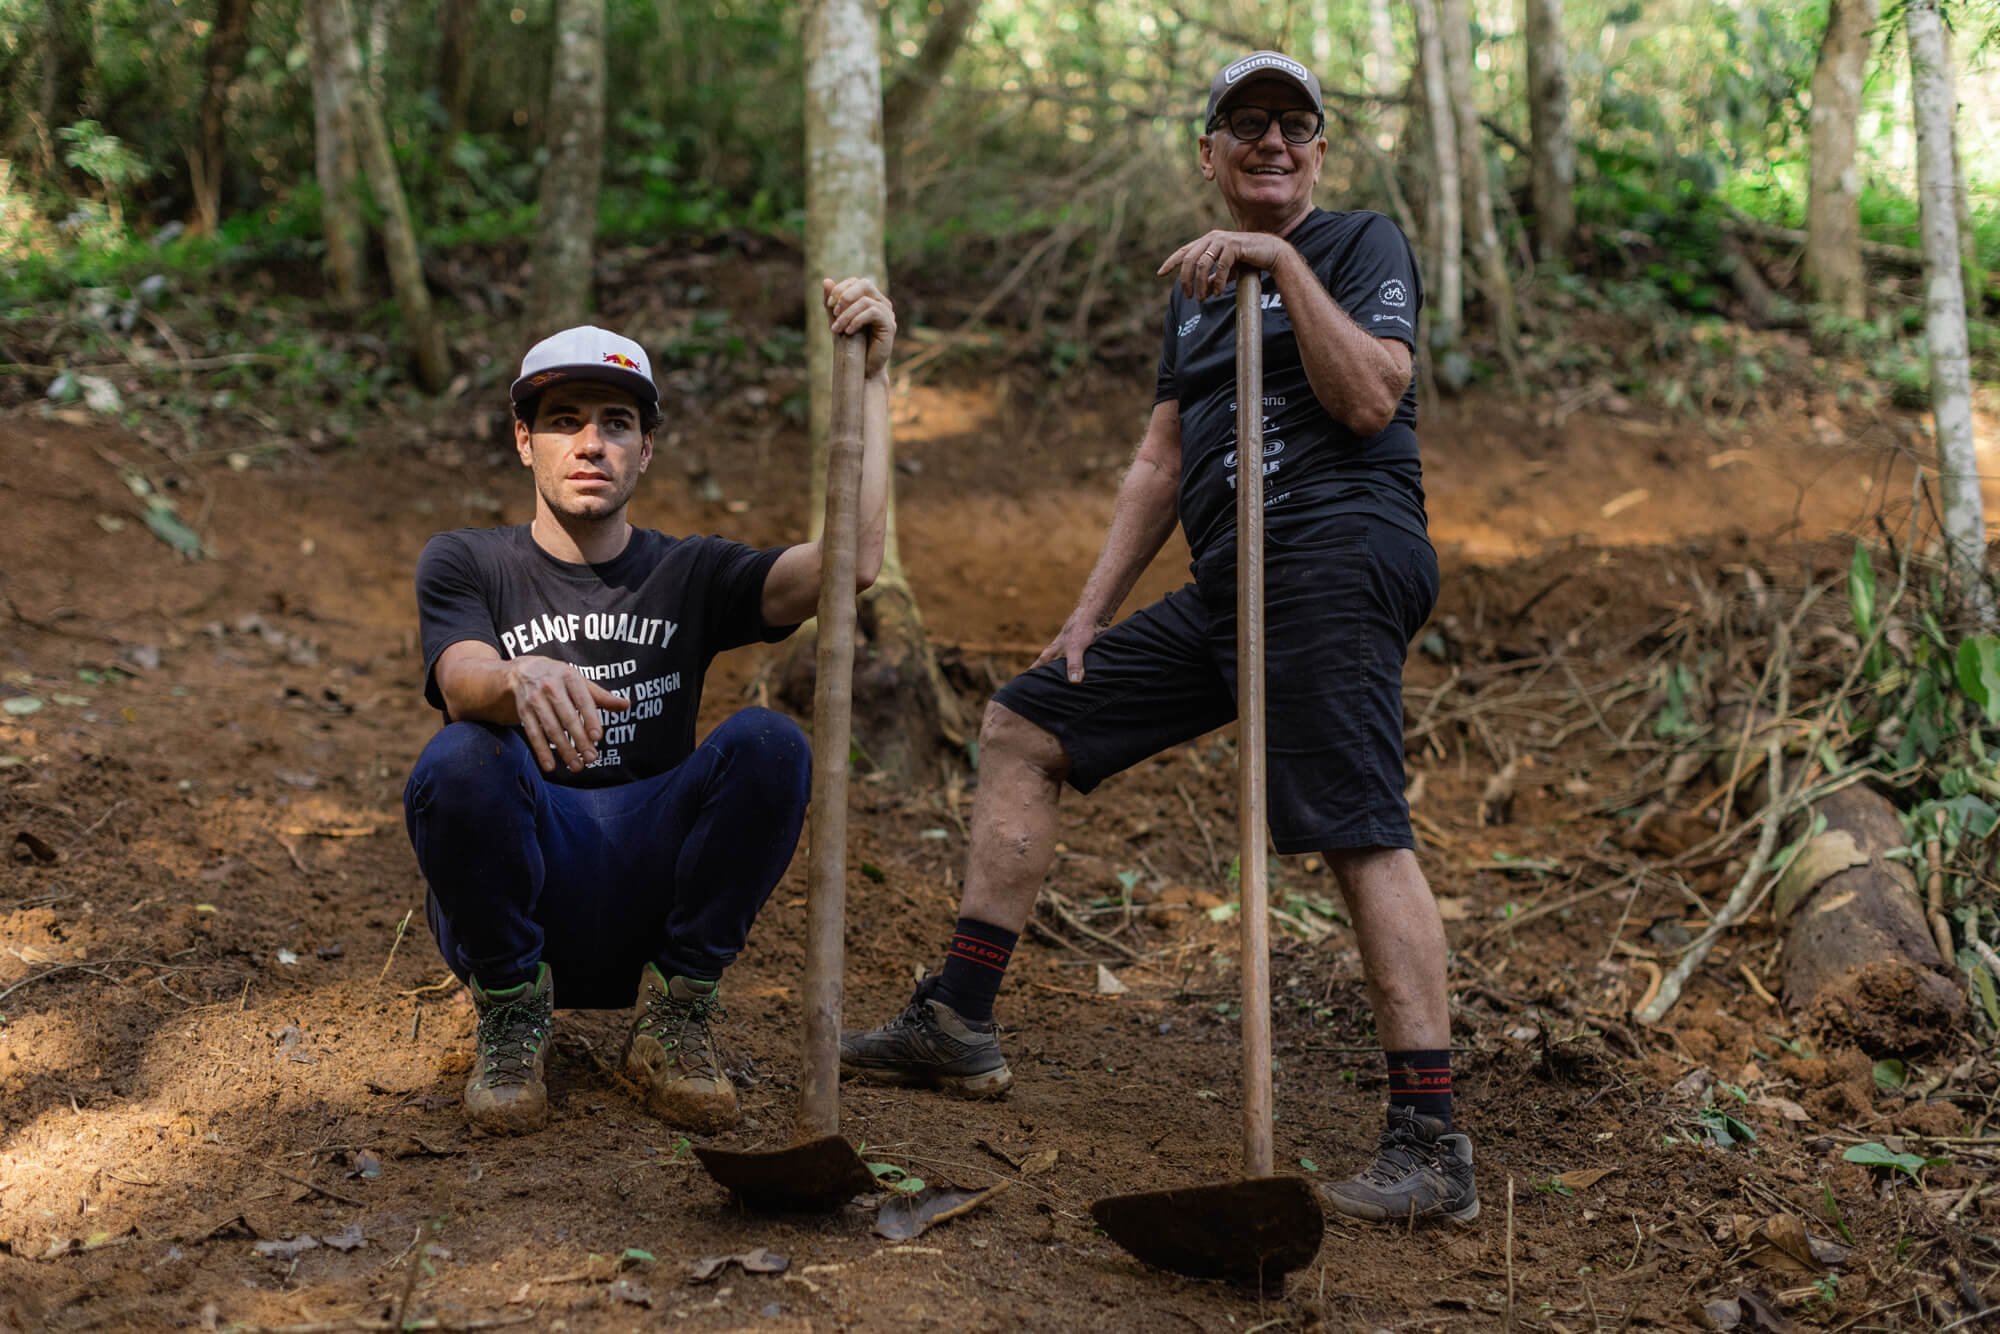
(1400, 1152)
(510, 1034)
(670, 1020)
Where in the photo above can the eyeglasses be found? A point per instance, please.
(1299, 126)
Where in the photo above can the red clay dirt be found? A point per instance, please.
(216, 1033)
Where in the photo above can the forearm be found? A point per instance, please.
(479, 690)
(1352, 375)
(1142, 519)
(874, 506)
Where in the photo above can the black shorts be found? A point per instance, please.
(1339, 617)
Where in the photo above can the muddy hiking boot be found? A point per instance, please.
(671, 1053)
(506, 1094)
(1419, 1171)
(929, 1045)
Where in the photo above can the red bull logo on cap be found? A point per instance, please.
(620, 359)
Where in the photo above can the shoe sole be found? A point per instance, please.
(1375, 1213)
(988, 1084)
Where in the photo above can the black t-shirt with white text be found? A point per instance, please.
(1315, 468)
(644, 625)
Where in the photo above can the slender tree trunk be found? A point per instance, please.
(1455, 21)
(1944, 308)
(901, 706)
(1548, 124)
(917, 83)
(1447, 233)
(1968, 240)
(399, 236)
(567, 227)
(65, 59)
(1833, 271)
(222, 60)
(1382, 47)
(457, 24)
(334, 159)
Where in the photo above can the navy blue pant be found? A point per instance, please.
(597, 882)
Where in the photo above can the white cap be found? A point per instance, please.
(589, 353)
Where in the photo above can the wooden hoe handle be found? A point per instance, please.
(826, 873)
(1250, 724)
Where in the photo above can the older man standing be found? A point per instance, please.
(1351, 576)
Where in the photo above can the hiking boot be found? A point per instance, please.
(671, 1054)
(506, 1094)
(929, 1045)
(1419, 1172)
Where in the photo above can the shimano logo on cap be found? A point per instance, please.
(1252, 64)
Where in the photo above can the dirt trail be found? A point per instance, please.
(216, 1034)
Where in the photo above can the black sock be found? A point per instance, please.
(1421, 1081)
(974, 963)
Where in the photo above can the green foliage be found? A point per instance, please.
(1872, 1154)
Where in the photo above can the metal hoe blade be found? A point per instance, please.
(814, 1177)
(822, 1171)
(1249, 1232)
(1259, 1229)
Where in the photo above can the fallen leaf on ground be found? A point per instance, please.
(1108, 983)
(1583, 1178)
(625, 1290)
(1454, 909)
(1037, 1163)
(347, 1239)
(520, 1294)
(29, 847)
(904, 1217)
(291, 1248)
(758, 1261)
(1780, 1242)
(367, 1165)
(1784, 1107)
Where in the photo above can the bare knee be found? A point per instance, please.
(1007, 739)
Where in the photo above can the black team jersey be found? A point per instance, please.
(1316, 470)
(644, 625)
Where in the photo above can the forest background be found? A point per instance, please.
(266, 269)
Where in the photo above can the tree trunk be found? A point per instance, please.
(457, 24)
(399, 236)
(65, 60)
(1860, 962)
(1968, 240)
(1833, 271)
(1944, 309)
(1382, 49)
(1445, 222)
(1456, 23)
(1548, 124)
(901, 705)
(334, 159)
(222, 60)
(916, 84)
(567, 226)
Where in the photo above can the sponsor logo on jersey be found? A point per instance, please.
(1393, 293)
(1190, 324)
(620, 359)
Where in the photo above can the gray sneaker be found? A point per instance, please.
(506, 1094)
(1419, 1172)
(929, 1045)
